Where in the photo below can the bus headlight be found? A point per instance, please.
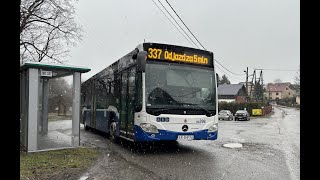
(149, 128)
(213, 128)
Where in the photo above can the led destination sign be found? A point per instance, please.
(161, 52)
(154, 53)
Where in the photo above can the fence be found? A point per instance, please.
(266, 110)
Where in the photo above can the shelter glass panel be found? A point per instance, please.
(55, 111)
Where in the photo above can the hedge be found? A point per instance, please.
(233, 106)
(290, 102)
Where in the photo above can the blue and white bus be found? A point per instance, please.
(157, 92)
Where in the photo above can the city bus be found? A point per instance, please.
(157, 92)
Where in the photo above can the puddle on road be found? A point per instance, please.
(233, 145)
(84, 177)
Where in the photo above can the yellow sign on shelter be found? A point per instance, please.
(256, 112)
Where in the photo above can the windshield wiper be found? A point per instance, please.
(208, 113)
(157, 111)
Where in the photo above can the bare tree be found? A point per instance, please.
(47, 30)
(297, 78)
(60, 95)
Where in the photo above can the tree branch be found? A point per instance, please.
(38, 20)
(29, 52)
(31, 8)
(46, 28)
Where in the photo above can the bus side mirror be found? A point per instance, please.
(217, 78)
(141, 61)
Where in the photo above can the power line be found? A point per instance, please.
(277, 69)
(185, 25)
(172, 22)
(178, 24)
(188, 30)
(197, 39)
(228, 69)
(228, 75)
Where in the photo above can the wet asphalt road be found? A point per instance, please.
(271, 150)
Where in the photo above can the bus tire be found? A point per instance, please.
(113, 136)
(85, 126)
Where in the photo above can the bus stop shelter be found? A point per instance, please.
(49, 106)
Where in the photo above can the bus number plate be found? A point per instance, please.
(185, 137)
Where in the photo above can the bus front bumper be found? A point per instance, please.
(141, 135)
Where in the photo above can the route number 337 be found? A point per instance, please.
(154, 53)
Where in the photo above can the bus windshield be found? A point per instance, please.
(179, 87)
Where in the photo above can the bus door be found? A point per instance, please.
(124, 104)
(131, 101)
(93, 107)
(90, 114)
(127, 103)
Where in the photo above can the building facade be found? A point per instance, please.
(232, 93)
(279, 91)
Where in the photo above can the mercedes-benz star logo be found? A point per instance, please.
(184, 128)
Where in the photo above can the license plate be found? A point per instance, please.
(185, 137)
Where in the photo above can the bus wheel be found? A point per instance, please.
(85, 126)
(113, 136)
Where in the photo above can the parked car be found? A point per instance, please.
(242, 115)
(225, 115)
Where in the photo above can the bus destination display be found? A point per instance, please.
(179, 55)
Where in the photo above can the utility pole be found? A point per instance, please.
(260, 82)
(247, 81)
(261, 78)
(252, 85)
(255, 78)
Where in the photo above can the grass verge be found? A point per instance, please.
(57, 164)
(56, 117)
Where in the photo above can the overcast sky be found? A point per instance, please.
(241, 33)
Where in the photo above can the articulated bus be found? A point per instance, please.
(157, 92)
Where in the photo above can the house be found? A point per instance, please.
(296, 88)
(279, 91)
(298, 99)
(232, 93)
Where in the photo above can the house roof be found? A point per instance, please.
(229, 89)
(277, 87)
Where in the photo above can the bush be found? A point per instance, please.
(290, 102)
(233, 106)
